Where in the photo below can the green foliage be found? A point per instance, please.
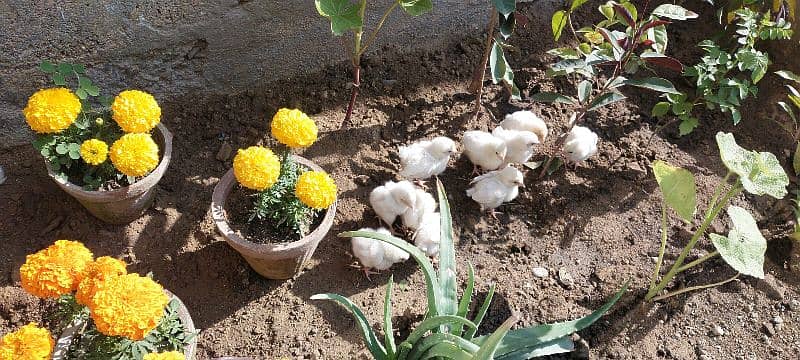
(280, 206)
(501, 70)
(344, 15)
(169, 335)
(442, 335)
(744, 246)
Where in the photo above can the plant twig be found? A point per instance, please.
(698, 261)
(663, 247)
(374, 34)
(476, 86)
(693, 288)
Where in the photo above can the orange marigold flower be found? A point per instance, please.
(30, 342)
(56, 270)
(128, 305)
(99, 271)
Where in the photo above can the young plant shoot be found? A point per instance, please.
(758, 173)
(346, 15)
(623, 42)
(447, 332)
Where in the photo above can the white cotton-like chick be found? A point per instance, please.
(492, 189)
(375, 254)
(392, 199)
(526, 121)
(424, 205)
(519, 144)
(424, 159)
(484, 149)
(581, 144)
(428, 236)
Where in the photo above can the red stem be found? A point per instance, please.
(354, 93)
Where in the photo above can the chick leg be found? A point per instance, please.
(367, 271)
(493, 213)
(475, 170)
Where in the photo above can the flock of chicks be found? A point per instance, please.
(511, 142)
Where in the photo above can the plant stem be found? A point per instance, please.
(357, 51)
(374, 34)
(663, 247)
(710, 216)
(698, 261)
(476, 86)
(692, 288)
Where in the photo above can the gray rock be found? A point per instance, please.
(224, 152)
(777, 320)
(794, 305)
(541, 272)
(717, 331)
(768, 329)
(565, 278)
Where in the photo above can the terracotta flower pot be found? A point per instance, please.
(273, 261)
(123, 205)
(67, 336)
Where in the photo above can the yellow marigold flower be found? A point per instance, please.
(256, 167)
(56, 270)
(293, 128)
(171, 355)
(94, 152)
(52, 110)
(316, 189)
(135, 111)
(135, 154)
(102, 269)
(30, 342)
(128, 305)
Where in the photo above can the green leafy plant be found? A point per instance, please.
(503, 19)
(758, 173)
(447, 332)
(280, 205)
(347, 15)
(639, 44)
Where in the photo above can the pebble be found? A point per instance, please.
(565, 278)
(777, 320)
(3, 176)
(794, 305)
(717, 331)
(541, 272)
(768, 329)
(224, 152)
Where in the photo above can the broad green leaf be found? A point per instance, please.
(788, 75)
(81, 93)
(760, 172)
(569, 66)
(558, 22)
(552, 97)
(565, 53)
(62, 149)
(501, 70)
(576, 4)
(788, 109)
(687, 125)
(84, 82)
(374, 346)
(505, 7)
(65, 68)
(448, 300)
(662, 60)
(678, 188)
(655, 84)
(92, 90)
(528, 338)
(584, 91)
(507, 25)
(74, 155)
(489, 346)
(343, 14)
(80, 69)
(674, 12)
(557, 346)
(607, 10)
(744, 247)
(660, 109)
(416, 7)
(606, 99)
(47, 67)
(388, 330)
(58, 79)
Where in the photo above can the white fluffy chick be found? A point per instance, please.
(484, 149)
(526, 121)
(581, 143)
(495, 188)
(429, 234)
(424, 205)
(519, 144)
(375, 254)
(392, 199)
(421, 160)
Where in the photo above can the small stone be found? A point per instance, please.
(541, 272)
(777, 320)
(3, 176)
(768, 329)
(794, 305)
(224, 152)
(717, 331)
(565, 278)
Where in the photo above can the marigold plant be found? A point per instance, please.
(56, 270)
(94, 151)
(98, 272)
(52, 110)
(135, 154)
(136, 111)
(128, 305)
(171, 355)
(30, 342)
(316, 189)
(256, 167)
(294, 128)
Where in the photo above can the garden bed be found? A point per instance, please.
(593, 227)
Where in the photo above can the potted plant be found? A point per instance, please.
(99, 149)
(293, 200)
(102, 311)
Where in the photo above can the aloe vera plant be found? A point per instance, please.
(758, 173)
(446, 332)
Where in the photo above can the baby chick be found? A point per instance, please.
(484, 149)
(526, 121)
(392, 199)
(495, 188)
(424, 205)
(429, 234)
(519, 144)
(375, 254)
(424, 159)
(581, 143)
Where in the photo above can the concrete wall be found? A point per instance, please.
(189, 46)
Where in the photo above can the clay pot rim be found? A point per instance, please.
(220, 196)
(136, 188)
